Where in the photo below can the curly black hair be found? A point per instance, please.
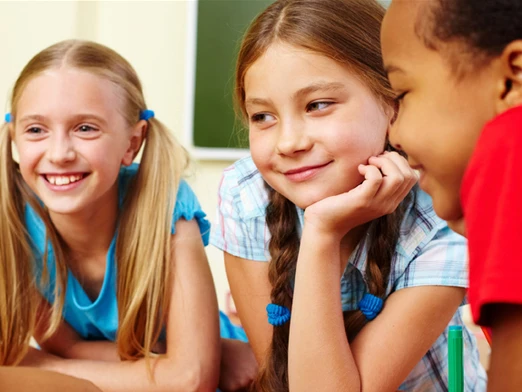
(481, 28)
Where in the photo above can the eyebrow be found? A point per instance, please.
(76, 118)
(318, 86)
(314, 87)
(257, 101)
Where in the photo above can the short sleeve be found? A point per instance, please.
(188, 208)
(239, 227)
(491, 196)
(442, 261)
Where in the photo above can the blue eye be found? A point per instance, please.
(318, 105)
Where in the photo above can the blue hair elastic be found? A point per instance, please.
(7, 117)
(370, 306)
(146, 114)
(277, 314)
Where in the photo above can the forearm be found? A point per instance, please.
(319, 353)
(93, 350)
(21, 379)
(164, 375)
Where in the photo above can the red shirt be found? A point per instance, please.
(491, 196)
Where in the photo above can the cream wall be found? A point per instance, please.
(152, 35)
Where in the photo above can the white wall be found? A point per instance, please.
(152, 35)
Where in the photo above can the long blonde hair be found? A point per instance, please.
(143, 246)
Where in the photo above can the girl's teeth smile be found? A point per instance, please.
(63, 180)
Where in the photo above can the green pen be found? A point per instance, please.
(455, 360)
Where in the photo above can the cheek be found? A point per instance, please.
(358, 142)
(261, 150)
(28, 155)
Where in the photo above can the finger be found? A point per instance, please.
(398, 180)
(402, 163)
(393, 177)
(411, 177)
(372, 181)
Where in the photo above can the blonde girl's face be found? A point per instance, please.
(71, 139)
(311, 123)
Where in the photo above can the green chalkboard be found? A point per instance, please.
(220, 27)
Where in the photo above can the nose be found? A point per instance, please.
(61, 148)
(293, 138)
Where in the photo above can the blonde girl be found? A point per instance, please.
(116, 249)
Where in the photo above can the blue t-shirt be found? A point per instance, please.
(98, 319)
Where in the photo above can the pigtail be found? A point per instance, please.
(383, 235)
(281, 219)
(17, 299)
(144, 243)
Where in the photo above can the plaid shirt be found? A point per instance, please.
(428, 253)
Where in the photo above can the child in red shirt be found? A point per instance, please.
(456, 67)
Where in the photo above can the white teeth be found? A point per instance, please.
(63, 180)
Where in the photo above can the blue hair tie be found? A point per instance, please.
(370, 306)
(277, 314)
(7, 117)
(146, 114)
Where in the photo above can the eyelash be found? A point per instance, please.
(31, 129)
(398, 98)
(327, 103)
(86, 126)
(257, 118)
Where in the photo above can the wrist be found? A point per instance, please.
(318, 233)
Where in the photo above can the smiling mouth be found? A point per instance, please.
(59, 180)
(304, 173)
(306, 168)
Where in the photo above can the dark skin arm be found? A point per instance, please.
(505, 371)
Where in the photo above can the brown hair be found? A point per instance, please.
(143, 253)
(346, 31)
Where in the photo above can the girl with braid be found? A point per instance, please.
(343, 276)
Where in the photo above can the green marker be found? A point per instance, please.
(455, 360)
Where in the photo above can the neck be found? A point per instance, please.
(89, 232)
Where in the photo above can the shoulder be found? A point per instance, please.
(244, 189)
(240, 225)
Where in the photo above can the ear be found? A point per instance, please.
(138, 133)
(509, 91)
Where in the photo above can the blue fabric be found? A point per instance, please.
(98, 320)
(229, 330)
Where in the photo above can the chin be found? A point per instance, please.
(447, 210)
